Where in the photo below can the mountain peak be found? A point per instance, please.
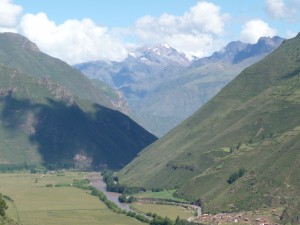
(161, 52)
(237, 51)
(21, 40)
(270, 41)
(159, 49)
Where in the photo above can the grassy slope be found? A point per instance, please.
(18, 52)
(259, 110)
(181, 96)
(36, 204)
(43, 121)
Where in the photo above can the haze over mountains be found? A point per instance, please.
(51, 114)
(251, 125)
(163, 87)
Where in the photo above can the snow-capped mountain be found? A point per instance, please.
(163, 87)
(160, 53)
(147, 65)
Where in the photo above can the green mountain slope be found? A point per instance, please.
(252, 124)
(18, 52)
(42, 121)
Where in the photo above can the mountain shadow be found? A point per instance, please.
(65, 135)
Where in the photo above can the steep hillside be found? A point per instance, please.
(18, 52)
(42, 121)
(252, 125)
(115, 97)
(163, 87)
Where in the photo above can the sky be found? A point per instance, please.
(78, 31)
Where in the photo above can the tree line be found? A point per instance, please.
(236, 175)
(113, 185)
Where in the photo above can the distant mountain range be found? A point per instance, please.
(240, 151)
(163, 87)
(51, 114)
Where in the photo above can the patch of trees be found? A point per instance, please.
(167, 221)
(137, 216)
(60, 166)
(81, 183)
(112, 206)
(160, 221)
(34, 168)
(113, 185)
(16, 167)
(236, 175)
(126, 198)
(3, 206)
(157, 189)
(62, 185)
(39, 170)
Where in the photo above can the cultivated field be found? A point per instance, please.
(35, 204)
(164, 210)
(166, 194)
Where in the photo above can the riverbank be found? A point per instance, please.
(150, 203)
(97, 181)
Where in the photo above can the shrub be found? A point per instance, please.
(81, 183)
(62, 185)
(157, 189)
(3, 206)
(126, 199)
(236, 175)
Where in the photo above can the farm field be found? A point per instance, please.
(166, 194)
(35, 204)
(164, 210)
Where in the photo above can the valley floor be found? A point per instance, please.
(50, 199)
(32, 203)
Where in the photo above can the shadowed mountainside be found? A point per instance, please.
(44, 122)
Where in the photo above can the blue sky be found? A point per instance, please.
(112, 13)
(78, 31)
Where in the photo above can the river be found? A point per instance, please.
(97, 181)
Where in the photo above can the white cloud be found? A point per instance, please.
(281, 9)
(276, 8)
(196, 32)
(254, 29)
(73, 41)
(9, 14)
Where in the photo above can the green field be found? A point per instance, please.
(166, 194)
(35, 204)
(164, 210)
